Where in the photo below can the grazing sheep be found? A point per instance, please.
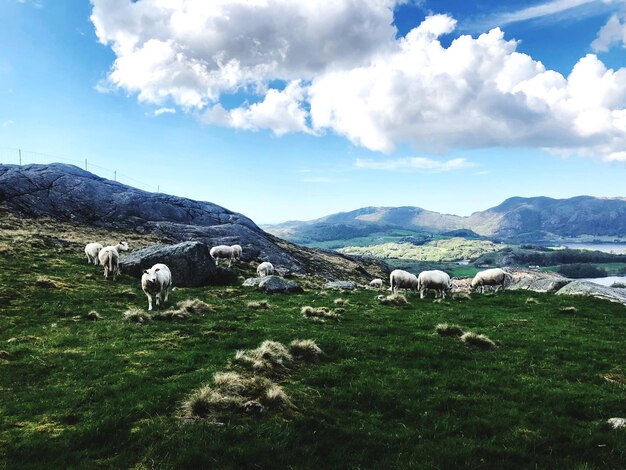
(376, 284)
(236, 252)
(265, 269)
(399, 279)
(222, 252)
(490, 277)
(109, 257)
(156, 281)
(92, 250)
(435, 280)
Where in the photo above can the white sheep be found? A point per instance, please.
(156, 281)
(109, 257)
(490, 277)
(265, 269)
(222, 252)
(376, 283)
(92, 250)
(399, 279)
(236, 252)
(435, 280)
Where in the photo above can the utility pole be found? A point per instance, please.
(158, 189)
(114, 175)
(20, 152)
(85, 164)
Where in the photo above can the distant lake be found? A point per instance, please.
(617, 248)
(606, 281)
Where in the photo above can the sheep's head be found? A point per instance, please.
(123, 246)
(149, 277)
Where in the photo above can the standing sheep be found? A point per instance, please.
(236, 252)
(265, 269)
(156, 281)
(399, 279)
(92, 250)
(109, 258)
(222, 252)
(436, 280)
(376, 284)
(490, 277)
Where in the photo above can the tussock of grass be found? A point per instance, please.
(92, 315)
(393, 299)
(47, 283)
(195, 306)
(615, 378)
(617, 423)
(275, 397)
(171, 315)
(258, 305)
(477, 341)
(127, 294)
(443, 329)
(568, 310)
(319, 313)
(340, 301)
(461, 296)
(305, 350)
(532, 300)
(270, 357)
(136, 315)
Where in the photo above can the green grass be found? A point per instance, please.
(390, 393)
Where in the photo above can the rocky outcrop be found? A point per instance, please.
(273, 285)
(537, 281)
(594, 290)
(190, 263)
(69, 194)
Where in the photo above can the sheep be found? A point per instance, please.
(109, 258)
(490, 277)
(236, 252)
(265, 269)
(222, 252)
(399, 279)
(92, 250)
(376, 283)
(436, 280)
(156, 281)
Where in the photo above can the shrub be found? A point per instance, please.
(579, 270)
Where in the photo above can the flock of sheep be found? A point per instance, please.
(440, 282)
(157, 281)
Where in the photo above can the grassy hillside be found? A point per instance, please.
(389, 392)
(439, 250)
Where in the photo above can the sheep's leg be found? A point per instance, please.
(158, 299)
(149, 301)
(167, 293)
(230, 260)
(422, 293)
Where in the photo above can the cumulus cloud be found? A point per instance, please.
(342, 71)
(158, 112)
(414, 163)
(613, 32)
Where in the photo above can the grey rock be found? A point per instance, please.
(347, 285)
(190, 263)
(593, 290)
(537, 281)
(253, 281)
(278, 285)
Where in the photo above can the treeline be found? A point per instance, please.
(556, 257)
(578, 271)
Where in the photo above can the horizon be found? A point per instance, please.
(275, 127)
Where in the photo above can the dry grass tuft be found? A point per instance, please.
(136, 315)
(93, 315)
(393, 299)
(47, 283)
(270, 357)
(477, 341)
(305, 350)
(171, 315)
(531, 300)
(206, 401)
(461, 296)
(127, 294)
(259, 305)
(443, 329)
(275, 397)
(195, 306)
(615, 378)
(568, 310)
(340, 301)
(319, 313)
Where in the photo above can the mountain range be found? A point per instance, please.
(517, 219)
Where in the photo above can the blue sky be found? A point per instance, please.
(375, 102)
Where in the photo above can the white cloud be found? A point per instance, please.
(8, 123)
(343, 72)
(613, 32)
(414, 163)
(158, 112)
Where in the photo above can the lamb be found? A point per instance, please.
(109, 258)
(92, 250)
(376, 283)
(490, 277)
(399, 279)
(222, 252)
(236, 252)
(156, 281)
(436, 280)
(265, 269)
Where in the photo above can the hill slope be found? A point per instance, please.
(516, 219)
(68, 193)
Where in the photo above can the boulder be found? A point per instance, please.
(537, 281)
(273, 285)
(190, 263)
(593, 290)
(346, 285)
